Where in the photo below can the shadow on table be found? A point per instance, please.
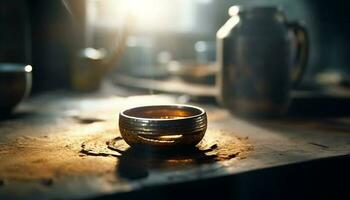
(322, 113)
(18, 115)
(136, 163)
(317, 179)
(319, 107)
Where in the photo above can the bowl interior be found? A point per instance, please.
(163, 112)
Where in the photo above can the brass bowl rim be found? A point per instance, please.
(178, 106)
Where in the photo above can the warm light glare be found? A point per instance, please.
(93, 53)
(28, 68)
(225, 29)
(170, 136)
(233, 10)
(147, 13)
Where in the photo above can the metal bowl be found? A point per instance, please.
(163, 126)
(15, 84)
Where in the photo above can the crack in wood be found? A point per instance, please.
(319, 145)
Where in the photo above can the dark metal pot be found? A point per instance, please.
(15, 85)
(261, 56)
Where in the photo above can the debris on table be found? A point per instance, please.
(136, 163)
(49, 157)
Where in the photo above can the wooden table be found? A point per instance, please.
(41, 157)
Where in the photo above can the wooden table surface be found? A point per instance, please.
(41, 146)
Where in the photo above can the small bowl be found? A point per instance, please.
(15, 84)
(163, 126)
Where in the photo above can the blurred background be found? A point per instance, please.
(164, 38)
(80, 58)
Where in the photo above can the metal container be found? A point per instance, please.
(163, 126)
(260, 57)
(15, 85)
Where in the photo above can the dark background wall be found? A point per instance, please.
(15, 31)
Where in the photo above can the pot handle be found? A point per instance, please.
(301, 59)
